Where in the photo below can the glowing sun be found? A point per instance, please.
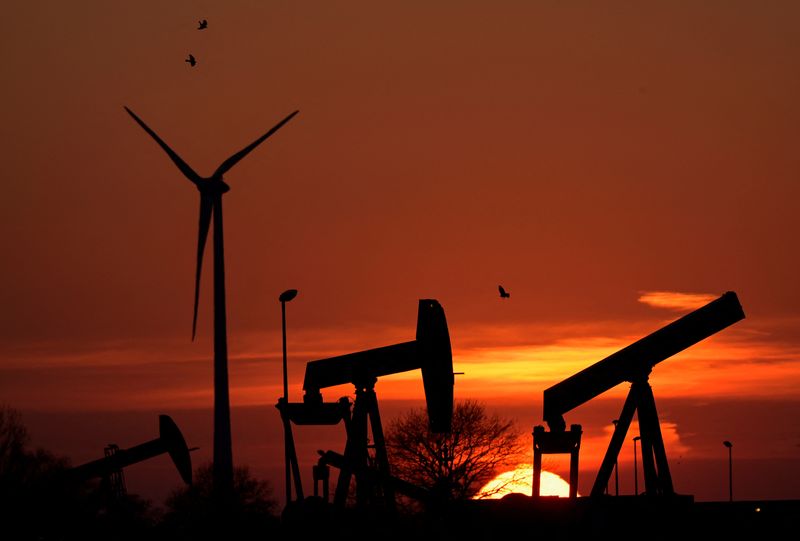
(519, 480)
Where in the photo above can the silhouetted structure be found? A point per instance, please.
(729, 445)
(632, 364)
(285, 297)
(191, 60)
(308, 414)
(503, 293)
(615, 422)
(202, 25)
(170, 440)
(114, 482)
(635, 467)
(430, 352)
(211, 190)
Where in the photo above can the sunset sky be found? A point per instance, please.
(613, 165)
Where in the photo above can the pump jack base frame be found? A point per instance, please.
(556, 443)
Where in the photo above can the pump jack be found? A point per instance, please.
(430, 352)
(632, 364)
(170, 440)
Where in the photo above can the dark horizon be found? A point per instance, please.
(82, 435)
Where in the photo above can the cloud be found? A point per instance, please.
(757, 358)
(674, 300)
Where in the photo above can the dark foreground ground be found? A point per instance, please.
(514, 517)
(561, 519)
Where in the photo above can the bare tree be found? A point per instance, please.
(20, 465)
(453, 466)
(194, 513)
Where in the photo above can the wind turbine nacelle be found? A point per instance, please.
(430, 352)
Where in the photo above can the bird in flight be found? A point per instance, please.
(202, 25)
(503, 294)
(191, 61)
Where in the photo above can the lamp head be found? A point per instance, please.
(727, 444)
(288, 295)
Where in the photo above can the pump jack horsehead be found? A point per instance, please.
(211, 190)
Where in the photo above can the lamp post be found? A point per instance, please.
(285, 297)
(616, 464)
(635, 468)
(729, 445)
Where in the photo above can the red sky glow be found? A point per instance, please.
(614, 165)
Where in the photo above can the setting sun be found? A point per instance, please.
(519, 480)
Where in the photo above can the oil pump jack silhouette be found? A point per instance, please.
(211, 190)
(632, 364)
(169, 440)
(430, 352)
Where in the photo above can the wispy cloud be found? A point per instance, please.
(517, 362)
(674, 300)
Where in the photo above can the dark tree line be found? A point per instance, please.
(39, 501)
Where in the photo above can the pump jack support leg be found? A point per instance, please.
(646, 431)
(647, 409)
(354, 450)
(625, 418)
(380, 452)
(343, 483)
(355, 454)
(573, 473)
(291, 455)
(537, 464)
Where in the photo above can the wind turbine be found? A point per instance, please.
(211, 190)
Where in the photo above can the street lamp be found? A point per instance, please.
(616, 464)
(635, 468)
(285, 297)
(729, 445)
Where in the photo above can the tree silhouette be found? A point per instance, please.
(249, 512)
(453, 466)
(39, 501)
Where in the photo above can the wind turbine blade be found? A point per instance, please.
(182, 165)
(206, 209)
(233, 160)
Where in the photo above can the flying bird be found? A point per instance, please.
(503, 294)
(202, 24)
(191, 61)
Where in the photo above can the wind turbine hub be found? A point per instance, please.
(213, 186)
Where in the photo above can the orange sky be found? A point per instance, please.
(590, 158)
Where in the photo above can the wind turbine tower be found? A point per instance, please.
(211, 190)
